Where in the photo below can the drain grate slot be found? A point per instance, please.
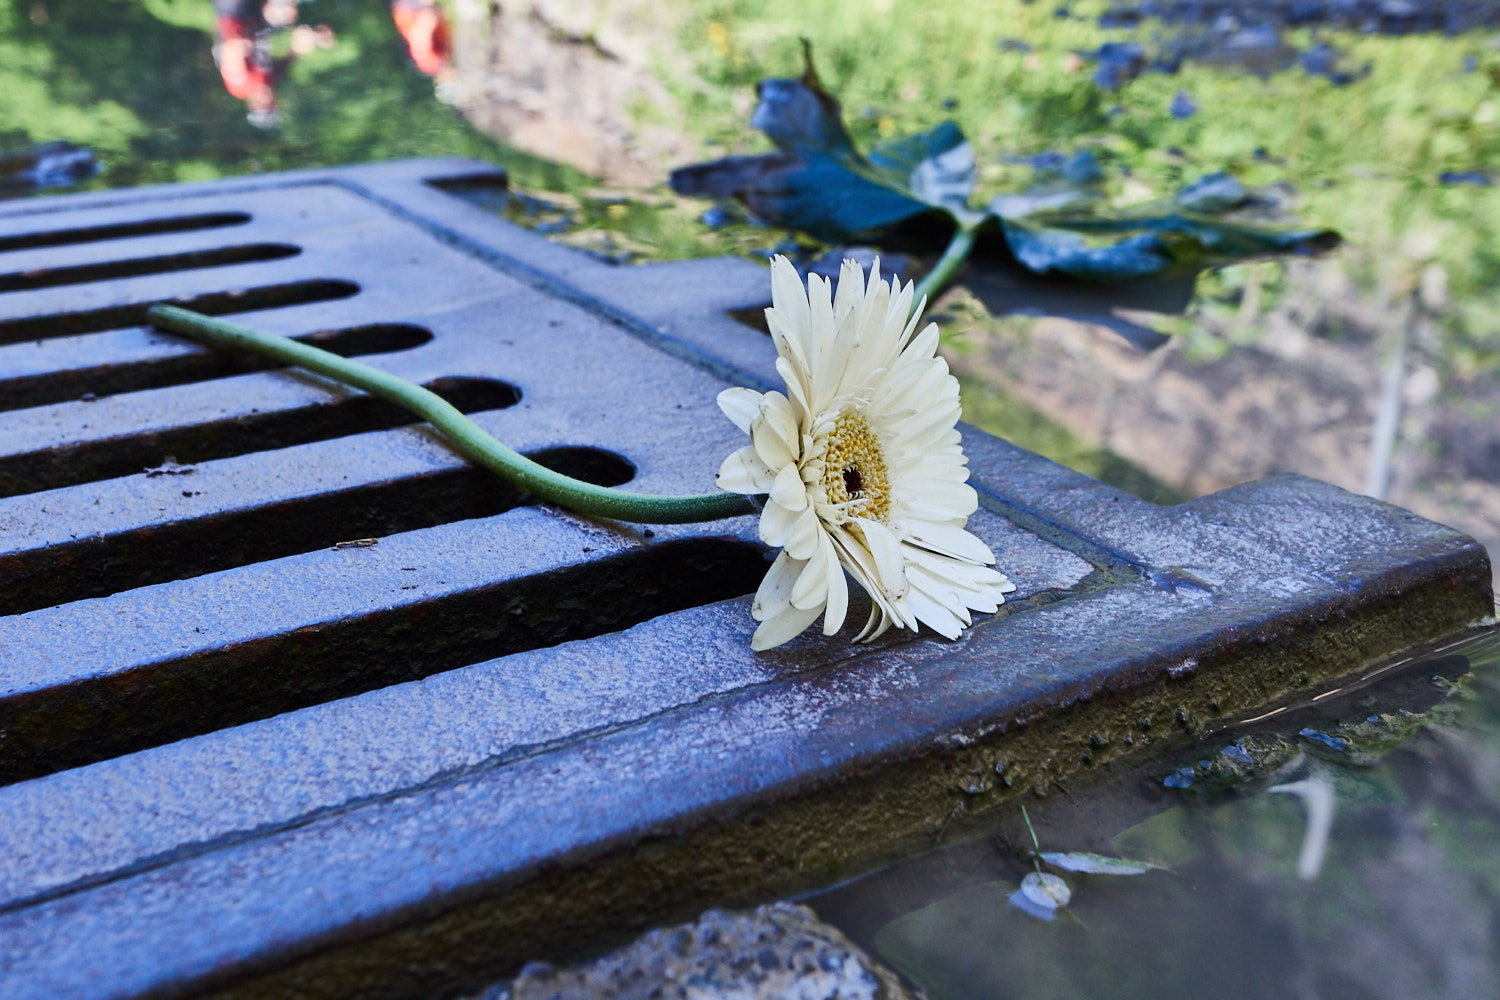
(108, 714)
(189, 444)
(197, 366)
(122, 230)
(294, 293)
(194, 260)
(101, 565)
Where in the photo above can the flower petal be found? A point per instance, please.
(934, 614)
(804, 538)
(950, 540)
(797, 390)
(812, 586)
(851, 291)
(776, 524)
(790, 340)
(961, 584)
(744, 472)
(787, 290)
(886, 552)
(788, 489)
(773, 450)
(855, 557)
(950, 500)
(876, 625)
(740, 405)
(788, 625)
(838, 591)
(775, 593)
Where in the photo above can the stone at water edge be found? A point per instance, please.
(772, 952)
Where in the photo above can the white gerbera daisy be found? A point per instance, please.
(862, 465)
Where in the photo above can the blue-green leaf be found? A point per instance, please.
(1095, 864)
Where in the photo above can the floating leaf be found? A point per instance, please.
(936, 168)
(1236, 752)
(1212, 194)
(1191, 234)
(1034, 200)
(732, 176)
(1095, 864)
(825, 199)
(1041, 895)
(799, 116)
(1101, 248)
(1051, 250)
(1476, 177)
(821, 184)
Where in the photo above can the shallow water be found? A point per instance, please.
(1402, 901)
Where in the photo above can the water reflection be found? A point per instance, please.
(256, 42)
(117, 93)
(50, 165)
(424, 28)
(1375, 878)
(244, 50)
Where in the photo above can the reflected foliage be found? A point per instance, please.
(135, 82)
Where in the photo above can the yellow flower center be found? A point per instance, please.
(854, 469)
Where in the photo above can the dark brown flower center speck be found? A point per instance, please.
(856, 470)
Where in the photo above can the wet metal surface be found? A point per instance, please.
(239, 757)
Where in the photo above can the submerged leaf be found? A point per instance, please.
(1020, 901)
(1095, 864)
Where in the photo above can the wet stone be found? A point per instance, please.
(294, 703)
(770, 953)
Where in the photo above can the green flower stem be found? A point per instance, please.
(942, 272)
(1036, 852)
(466, 436)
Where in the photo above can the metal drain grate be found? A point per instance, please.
(239, 756)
